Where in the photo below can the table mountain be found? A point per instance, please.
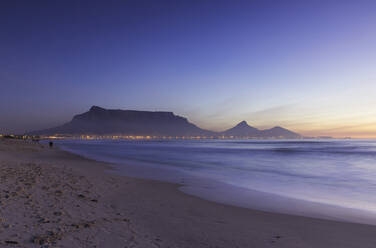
(100, 121)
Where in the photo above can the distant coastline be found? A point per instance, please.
(98, 123)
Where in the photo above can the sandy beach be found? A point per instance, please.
(51, 198)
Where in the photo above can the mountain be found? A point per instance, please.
(280, 132)
(100, 121)
(244, 130)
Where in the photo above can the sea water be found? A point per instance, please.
(331, 172)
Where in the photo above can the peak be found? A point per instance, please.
(277, 127)
(243, 123)
(95, 108)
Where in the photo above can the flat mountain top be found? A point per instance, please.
(101, 121)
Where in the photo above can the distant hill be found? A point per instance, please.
(280, 132)
(244, 130)
(100, 121)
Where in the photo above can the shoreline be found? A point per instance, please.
(119, 211)
(210, 190)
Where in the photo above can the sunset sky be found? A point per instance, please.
(309, 66)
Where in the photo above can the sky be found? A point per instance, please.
(309, 66)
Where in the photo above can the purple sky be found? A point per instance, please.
(305, 65)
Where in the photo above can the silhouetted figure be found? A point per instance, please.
(51, 143)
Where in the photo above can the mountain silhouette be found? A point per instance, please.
(100, 121)
(242, 130)
(280, 132)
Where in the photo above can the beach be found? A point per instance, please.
(52, 198)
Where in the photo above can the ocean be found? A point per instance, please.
(331, 173)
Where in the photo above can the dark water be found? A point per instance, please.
(335, 172)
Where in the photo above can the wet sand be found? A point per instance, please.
(51, 198)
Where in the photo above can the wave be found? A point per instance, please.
(334, 172)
